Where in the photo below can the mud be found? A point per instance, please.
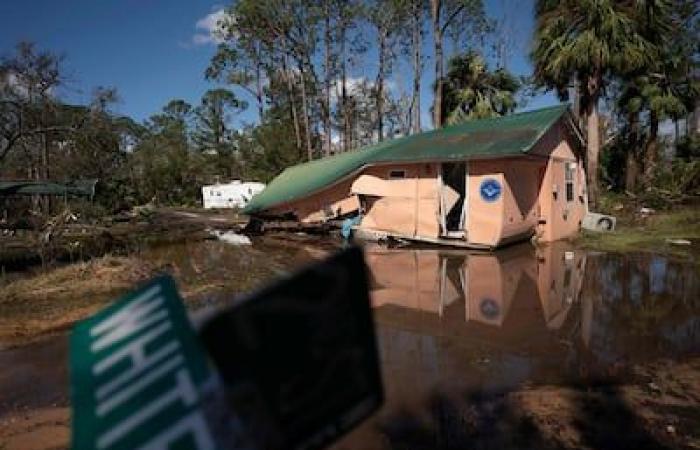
(523, 348)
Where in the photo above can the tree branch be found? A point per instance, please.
(451, 18)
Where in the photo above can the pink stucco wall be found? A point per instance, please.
(528, 203)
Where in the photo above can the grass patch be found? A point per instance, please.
(651, 234)
(53, 300)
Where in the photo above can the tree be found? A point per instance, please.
(350, 46)
(213, 134)
(386, 16)
(289, 30)
(663, 88)
(328, 71)
(240, 60)
(461, 17)
(28, 81)
(175, 118)
(212, 120)
(471, 91)
(587, 41)
(417, 12)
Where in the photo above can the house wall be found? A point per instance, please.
(515, 212)
(484, 219)
(412, 207)
(560, 218)
(333, 201)
(398, 212)
(528, 202)
(522, 186)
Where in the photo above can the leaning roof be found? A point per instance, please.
(82, 187)
(511, 135)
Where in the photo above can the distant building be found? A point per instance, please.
(235, 194)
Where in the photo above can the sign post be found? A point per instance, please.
(139, 376)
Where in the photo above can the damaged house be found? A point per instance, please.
(480, 184)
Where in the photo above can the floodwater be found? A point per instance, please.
(456, 329)
(452, 326)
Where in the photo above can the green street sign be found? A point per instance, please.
(139, 378)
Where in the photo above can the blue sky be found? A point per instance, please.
(153, 51)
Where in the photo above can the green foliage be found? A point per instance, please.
(213, 133)
(612, 160)
(688, 147)
(588, 40)
(663, 88)
(674, 184)
(268, 149)
(471, 91)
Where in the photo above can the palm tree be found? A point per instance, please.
(471, 91)
(587, 41)
(664, 87)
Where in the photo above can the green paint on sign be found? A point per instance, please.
(138, 375)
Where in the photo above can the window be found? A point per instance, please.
(397, 174)
(569, 180)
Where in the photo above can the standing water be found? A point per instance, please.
(523, 347)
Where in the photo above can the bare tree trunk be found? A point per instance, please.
(577, 103)
(259, 88)
(651, 149)
(592, 151)
(677, 130)
(631, 163)
(292, 103)
(46, 175)
(435, 6)
(380, 84)
(416, 42)
(631, 172)
(304, 100)
(327, 81)
(344, 94)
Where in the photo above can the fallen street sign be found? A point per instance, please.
(295, 366)
(299, 357)
(139, 378)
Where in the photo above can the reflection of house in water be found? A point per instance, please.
(441, 311)
(489, 286)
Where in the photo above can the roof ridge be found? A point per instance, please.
(510, 116)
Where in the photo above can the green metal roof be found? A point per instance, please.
(486, 138)
(85, 188)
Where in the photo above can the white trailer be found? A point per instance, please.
(235, 194)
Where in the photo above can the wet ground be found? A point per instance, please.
(523, 348)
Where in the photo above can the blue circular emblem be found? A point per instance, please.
(489, 308)
(490, 190)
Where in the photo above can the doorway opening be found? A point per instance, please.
(453, 200)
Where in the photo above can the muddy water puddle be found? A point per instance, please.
(457, 332)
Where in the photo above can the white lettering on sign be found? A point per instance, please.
(131, 319)
(140, 364)
(144, 364)
(106, 406)
(183, 390)
(193, 424)
(135, 350)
